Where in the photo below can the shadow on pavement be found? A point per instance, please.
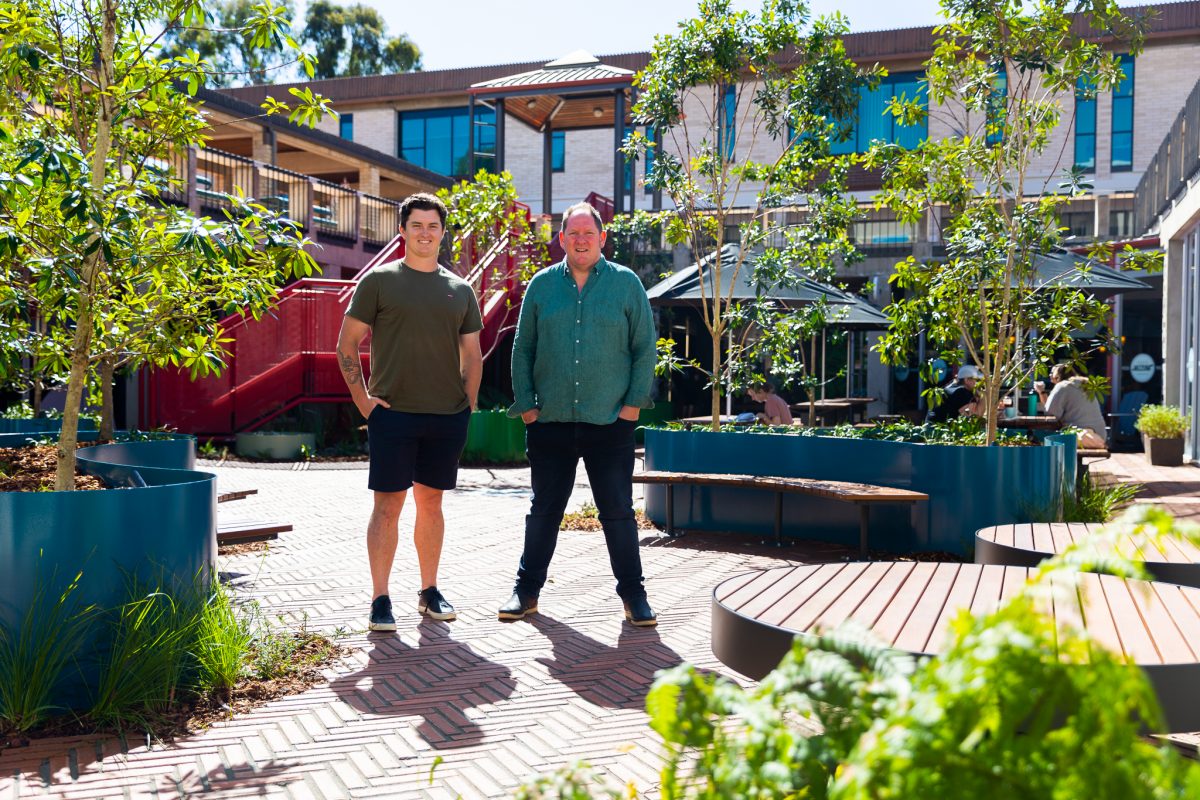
(437, 680)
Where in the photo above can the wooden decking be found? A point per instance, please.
(1027, 545)
(1154, 625)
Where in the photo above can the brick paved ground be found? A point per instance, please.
(498, 703)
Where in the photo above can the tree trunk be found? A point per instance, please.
(717, 379)
(35, 396)
(107, 417)
(64, 477)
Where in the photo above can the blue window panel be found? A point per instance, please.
(440, 139)
(558, 151)
(1085, 126)
(728, 132)
(650, 153)
(346, 126)
(874, 122)
(1122, 119)
(997, 107)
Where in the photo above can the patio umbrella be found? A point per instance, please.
(1064, 268)
(684, 289)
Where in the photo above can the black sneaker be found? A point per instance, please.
(381, 614)
(639, 612)
(517, 607)
(431, 603)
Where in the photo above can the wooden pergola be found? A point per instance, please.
(575, 92)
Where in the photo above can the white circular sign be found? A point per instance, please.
(1142, 367)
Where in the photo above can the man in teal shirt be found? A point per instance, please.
(582, 366)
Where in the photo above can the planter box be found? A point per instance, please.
(1163, 452)
(494, 437)
(280, 446)
(968, 487)
(162, 527)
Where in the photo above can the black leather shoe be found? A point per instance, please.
(517, 607)
(639, 612)
(431, 603)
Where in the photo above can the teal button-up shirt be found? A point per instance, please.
(578, 356)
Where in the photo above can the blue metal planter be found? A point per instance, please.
(160, 526)
(968, 487)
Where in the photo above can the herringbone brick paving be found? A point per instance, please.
(498, 703)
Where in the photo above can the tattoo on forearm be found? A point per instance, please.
(350, 369)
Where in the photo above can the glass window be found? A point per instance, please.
(1120, 224)
(558, 151)
(440, 139)
(346, 126)
(1085, 125)
(728, 131)
(649, 159)
(875, 123)
(1078, 224)
(997, 106)
(1122, 119)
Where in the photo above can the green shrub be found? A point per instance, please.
(151, 655)
(1094, 502)
(223, 640)
(34, 656)
(1161, 422)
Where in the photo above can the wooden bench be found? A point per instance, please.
(863, 495)
(243, 530)
(907, 605)
(240, 494)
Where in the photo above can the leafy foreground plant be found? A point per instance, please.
(1096, 502)
(34, 656)
(1013, 707)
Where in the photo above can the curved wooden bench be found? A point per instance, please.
(1029, 544)
(863, 495)
(755, 616)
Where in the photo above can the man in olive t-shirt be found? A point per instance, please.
(425, 371)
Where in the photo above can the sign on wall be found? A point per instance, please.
(1142, 367)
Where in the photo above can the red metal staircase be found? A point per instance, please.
(289, 355)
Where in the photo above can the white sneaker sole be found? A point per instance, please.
(453, 615)
(381, 626)
(516, 614)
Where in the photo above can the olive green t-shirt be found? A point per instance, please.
(416, 318)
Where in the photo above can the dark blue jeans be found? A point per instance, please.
(554, 450)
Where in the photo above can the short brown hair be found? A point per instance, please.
(421, 201)
(585, 206)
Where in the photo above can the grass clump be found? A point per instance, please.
(1097, 502)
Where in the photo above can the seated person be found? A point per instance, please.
(959, 397)
(1072, 407)
(775, 410)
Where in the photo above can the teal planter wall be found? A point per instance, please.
(18, 432)
(968, 487)
(163, 525)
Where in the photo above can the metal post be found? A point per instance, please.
(671, 510)
(658, 142)
(618, 158)
(1117, 363)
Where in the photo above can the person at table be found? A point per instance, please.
(959, 396)
(775, 410)
(1069, 404)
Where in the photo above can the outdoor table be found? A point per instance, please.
(726, 419)
(829, 412)
(858, 406)
(1036, 423)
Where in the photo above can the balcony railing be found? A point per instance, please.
(1177, 160)
(205, 180)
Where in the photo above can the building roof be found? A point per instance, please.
(222, 102)
(578, 68)
(1171, 20)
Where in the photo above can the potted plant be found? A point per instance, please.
(1162, 430)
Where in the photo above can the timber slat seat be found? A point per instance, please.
(863, 495)
(755, 616)
(243, 530)
(1028, 544)
(240, 494)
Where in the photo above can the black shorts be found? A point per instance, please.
(415, 448)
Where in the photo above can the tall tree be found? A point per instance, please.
(227, 41)
(91, 118)
(999, 76)
(352, 40)
(745, 79)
